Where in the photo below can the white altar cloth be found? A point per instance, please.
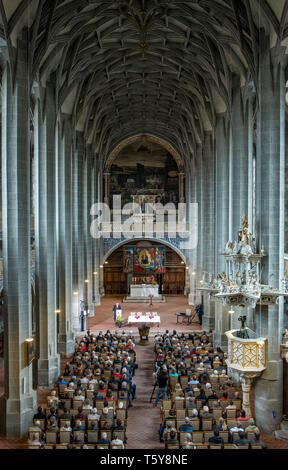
(143, 319)
(144, 290)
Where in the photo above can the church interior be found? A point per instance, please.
(144, 224)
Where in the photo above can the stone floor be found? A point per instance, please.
(104, 320)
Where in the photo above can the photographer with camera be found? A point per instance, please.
(161, 379)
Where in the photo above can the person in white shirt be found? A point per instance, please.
(236, 428)
(117, 442)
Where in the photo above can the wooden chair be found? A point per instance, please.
(207, 424)
(173, 446)
(121, 414)
(230, 413)
(61, 446)
(179, 423)
(51, 437)
(48, 446)
(235, 436)
(195, 423)
(250, 435)
(119, 434)
(90, 394)
(256, 446)
(179, 403)
(166, 404)
(243, 446)
(225, 436)
(64, 437)
(215, 446)
(62, 388)
(197, 437)
(80, 435)
(180, 414)
(207, 435)
(92, 436)
(237, 402)
(34, 446)
(172, 382)
(102, 446)
(231, 422)
(116, 446)
(201, 446)
(229, 446)
(217, 413)
(77, 403)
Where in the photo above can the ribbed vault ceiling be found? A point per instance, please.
(158, 67)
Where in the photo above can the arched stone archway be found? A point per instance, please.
(149, 138)
(114, 280)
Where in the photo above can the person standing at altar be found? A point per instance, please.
(116, 309)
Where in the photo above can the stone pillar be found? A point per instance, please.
(192, 254)
(246, 383)
(270, 227)
(95, 242)
(107, 188)
(240, 155)
(66, 336)
(221, 221)
(45, 238)
(78, 229)
(199, 199)
(208, 233)
(19, 400)
(87, 236)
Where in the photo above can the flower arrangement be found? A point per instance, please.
(119, 320)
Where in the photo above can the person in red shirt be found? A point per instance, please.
(225, 396)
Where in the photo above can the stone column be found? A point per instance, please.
(192, 254)
(199, 173)
(45, 238)
(107, 188)
(270, 226)
(95, 242)
(100, 241)
(19, 400)
(208, 225)
(240, 155)
(66, 336)
(221, 220)
(240, 167)
(246, 383)
(87, 236)
(78, 228)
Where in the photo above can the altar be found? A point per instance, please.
(144, 293)
(144, 290)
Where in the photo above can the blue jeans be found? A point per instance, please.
(161, 391)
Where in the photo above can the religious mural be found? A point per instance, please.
(149, 259)
(145, 168)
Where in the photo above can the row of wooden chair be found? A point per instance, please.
(91, 436)
(227, 446)
(200, 437)
(77, 446)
